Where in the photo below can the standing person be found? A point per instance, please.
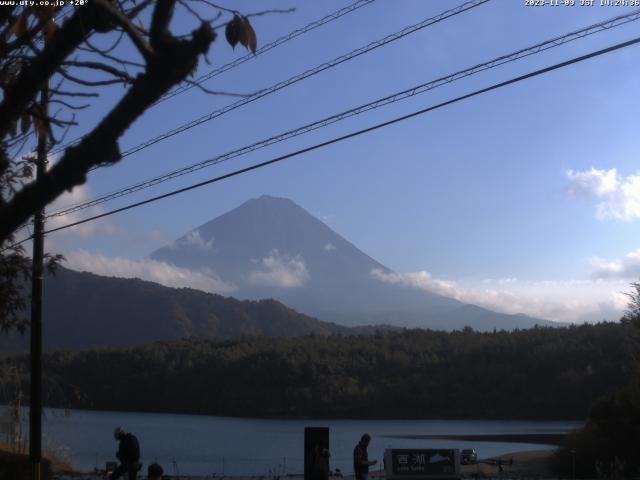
(128, 454)
(361, 462)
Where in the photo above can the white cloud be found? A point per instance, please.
(593, 182)
(60, 241)
(559, 300)
(422, 280)
(500, 281)
(81, 193)
(627, 268)
(619, 196)
(73, 237)
(280, 270)
(194, 239)
(147, 269)
(329, 247)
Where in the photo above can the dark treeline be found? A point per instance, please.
(608, 444)
(541, 373)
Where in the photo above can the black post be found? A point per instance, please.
(35, 397)
(315, 438)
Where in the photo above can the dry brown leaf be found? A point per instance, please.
(46, 17)
(44, 12)
(233, 31)
(49, 29)
(249, 34)
(243, 34)
(19, 28)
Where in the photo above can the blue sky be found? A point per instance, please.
(522, 199)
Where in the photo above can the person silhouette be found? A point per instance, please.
(128, 454)
(361, 462)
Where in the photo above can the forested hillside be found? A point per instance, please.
(83, 310)
(541, 373)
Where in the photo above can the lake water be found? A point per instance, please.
(203, 445)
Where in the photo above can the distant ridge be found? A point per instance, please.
(83, 310)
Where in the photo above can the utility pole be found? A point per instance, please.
(35, 397)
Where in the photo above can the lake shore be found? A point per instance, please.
(529, 464)
(534, 438)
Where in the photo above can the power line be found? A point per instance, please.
(306, 74)
(344, 137)
(356, 133)
(424, 87)
(290, 36)
(239, 61)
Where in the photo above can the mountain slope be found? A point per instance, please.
(83, 310)
(272, 248)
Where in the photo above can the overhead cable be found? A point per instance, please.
(306, 74)
(269, 46)
(363, 131)
(422, 88)
(249, 56)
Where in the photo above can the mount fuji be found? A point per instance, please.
(271, 247)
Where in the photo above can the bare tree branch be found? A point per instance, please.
(90, 83)
(105, 54)
(123, 22)
(269, 12)
(74, 94)
(171, 62)
(70, 106)
(103, 67)
(25, 39)
(105, 51)
(220, 7)
(160, 35)
(200, 18)
(34, 76)
(215, 92)
(135, 11)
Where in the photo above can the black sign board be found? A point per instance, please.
(316, 440)
(421, 462)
